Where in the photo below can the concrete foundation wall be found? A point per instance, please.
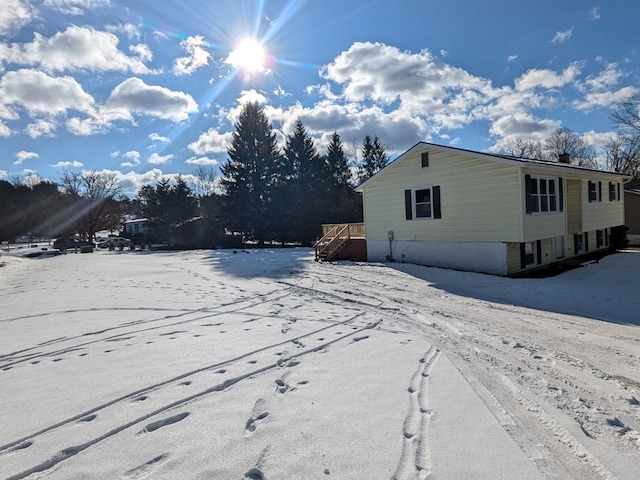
(485, 257)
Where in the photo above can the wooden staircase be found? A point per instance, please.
(335, 238)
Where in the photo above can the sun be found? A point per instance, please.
(249, 55)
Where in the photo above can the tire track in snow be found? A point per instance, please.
(70, 452)
(415, 460)
(210, 313)
(464, 330)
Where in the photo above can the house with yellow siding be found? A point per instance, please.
(453, 208)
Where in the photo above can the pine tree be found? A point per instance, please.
(306, 185)
(374, 158)
(249, 174)
(337, 162)
(345, 203)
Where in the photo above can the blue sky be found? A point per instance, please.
(149, 89)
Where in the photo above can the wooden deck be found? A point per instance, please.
(342, 241)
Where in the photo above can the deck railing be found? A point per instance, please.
(335, 237)
(356, 230)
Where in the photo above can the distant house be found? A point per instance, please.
(632, 215)
(135, 226)
(453, 208)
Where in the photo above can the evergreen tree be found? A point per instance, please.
(337, 162)
(345, 203)
(307, 185)
(249, 174)
(374, 158)
(166, 207)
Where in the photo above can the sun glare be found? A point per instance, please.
(249, 55)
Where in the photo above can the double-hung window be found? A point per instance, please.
(422, 203)
(544, 194)
(614, 192)
(595, 191)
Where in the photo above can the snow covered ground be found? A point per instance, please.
(268, 365)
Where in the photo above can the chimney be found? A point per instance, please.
(564, 158)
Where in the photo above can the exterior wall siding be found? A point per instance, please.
(481, 200)
(602, 214)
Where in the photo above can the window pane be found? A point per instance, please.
(543, 186)
(552, 204)
(544, 204)
(535, 207)
(534, 186)
(423, 210)
(423, 196)
(552, 187)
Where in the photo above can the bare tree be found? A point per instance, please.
(521, 147)
(92, 202)
(565, 141)
(626, 115)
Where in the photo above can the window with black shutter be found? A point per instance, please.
(422, 203)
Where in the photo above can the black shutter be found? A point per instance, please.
(437, 213)
(586, 242)
(523, 257)
(539, 251)
(425, 159)
(561, 192)
(527, 193)
(575, 243)
(591, 194)
(600, 191)
(408, 210)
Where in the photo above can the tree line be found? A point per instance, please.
(264, 193)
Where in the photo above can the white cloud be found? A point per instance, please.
(78, 48)
(135, 96)
(156, 159)
(41, 128)
(562, 36)
(13, 15)
(74, 7)
(608, 77)
(74, 164)
(23, 155)
(134, 159)
(604, 99)
(545, 78)
(132, 181)
(512, 58)
(523, 126)
(39, 93)
(96, 123)
(201, 161)
(198, 56)
(4, 130)
(115, 154)
(594, 13)
(129, 29)
(154, 137)
(212, 141)
(4, 174)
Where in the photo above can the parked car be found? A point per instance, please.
(117, 242)
(67, 243)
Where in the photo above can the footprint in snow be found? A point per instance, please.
(258, 414)
(144, 470)
(153, 426)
